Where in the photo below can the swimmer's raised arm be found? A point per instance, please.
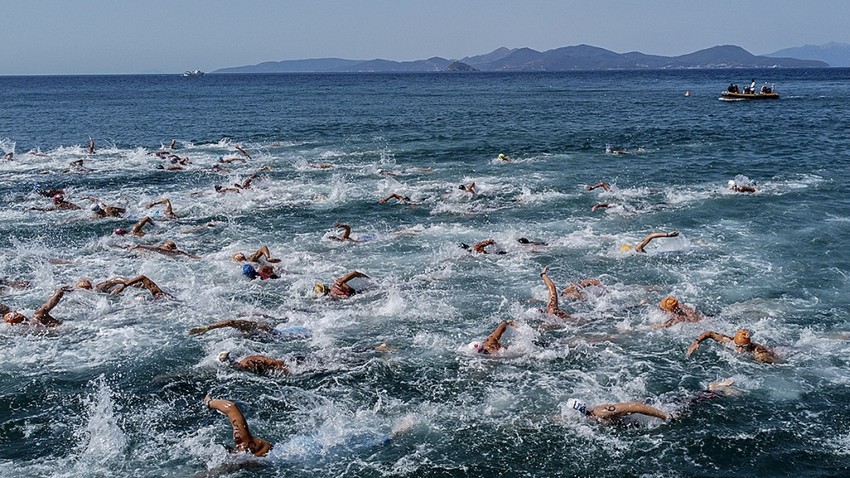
(242, 437)
(247, 326)
(169, 212)
(610, 411)
(600, 184)
(705, 335)
(263, 251)
(655, 235)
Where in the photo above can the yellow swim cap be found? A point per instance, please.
(669, 304)
(501, 155)
(320, 289)
(742, 337)
(626, 247)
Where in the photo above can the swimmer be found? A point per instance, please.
(743, 188)
(41, 317)
(259, 364)
(117, 285)
(346, 233)
(340, 288)
(681, 313)
(552, 304)
(740, 342)
(91, 145)
(244, 153)
(261, 253)
(59, 202)
(136, 230)
(101, 210)
(470, 188)
(169, 212)
(399, 197)
(481, 246)
(77, 166)
(504, 158)
(614, 413)
(223, 189)
(247, 182)
(575, 290)
(167, 248)
(601, 205)
(15, 284)
(8, 156)
(646, 240)
(246, 326)
(242, 437)
(526, 242)
(600, 184)
(491, 344)
(264, 272)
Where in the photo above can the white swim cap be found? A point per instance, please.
(474, 346)
(731, 183)
(576, 404)
(224, 356)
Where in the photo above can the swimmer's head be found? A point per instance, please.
(475, 346)
(522, 240)
(170, 245)
(742, 337)
(502, 156)
(626, 248)
(239, 257)
(461, 187)
(670, 304)
(96, 208)
(120, 232)
(57, 198)
(249, 271)
(576, 404)
(83, 284)
(320, 289)
(731, 184)
(224, 357)
(14, 318)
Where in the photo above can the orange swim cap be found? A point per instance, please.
(742, 337)
(670, 304)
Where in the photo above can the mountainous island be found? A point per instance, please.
(570, 58)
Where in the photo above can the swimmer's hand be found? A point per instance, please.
(672, 233)
(199, 330)
(694, 346)
(207, 400)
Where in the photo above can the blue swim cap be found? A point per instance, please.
(249, 271)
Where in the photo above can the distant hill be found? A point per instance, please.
(570, 58)
(835, 54)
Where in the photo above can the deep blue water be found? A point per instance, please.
(117, 389)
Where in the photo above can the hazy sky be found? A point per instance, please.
(159, 36)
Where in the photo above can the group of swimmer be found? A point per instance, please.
(260, 264)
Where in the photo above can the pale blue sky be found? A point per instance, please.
(158, 36)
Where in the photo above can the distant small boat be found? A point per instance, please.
(193, 73)
(732, 93)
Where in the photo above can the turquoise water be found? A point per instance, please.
(117, 389)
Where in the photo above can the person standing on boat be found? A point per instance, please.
(753, 86)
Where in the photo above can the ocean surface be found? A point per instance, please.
(118, 388)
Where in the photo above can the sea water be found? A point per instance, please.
(117, 389)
